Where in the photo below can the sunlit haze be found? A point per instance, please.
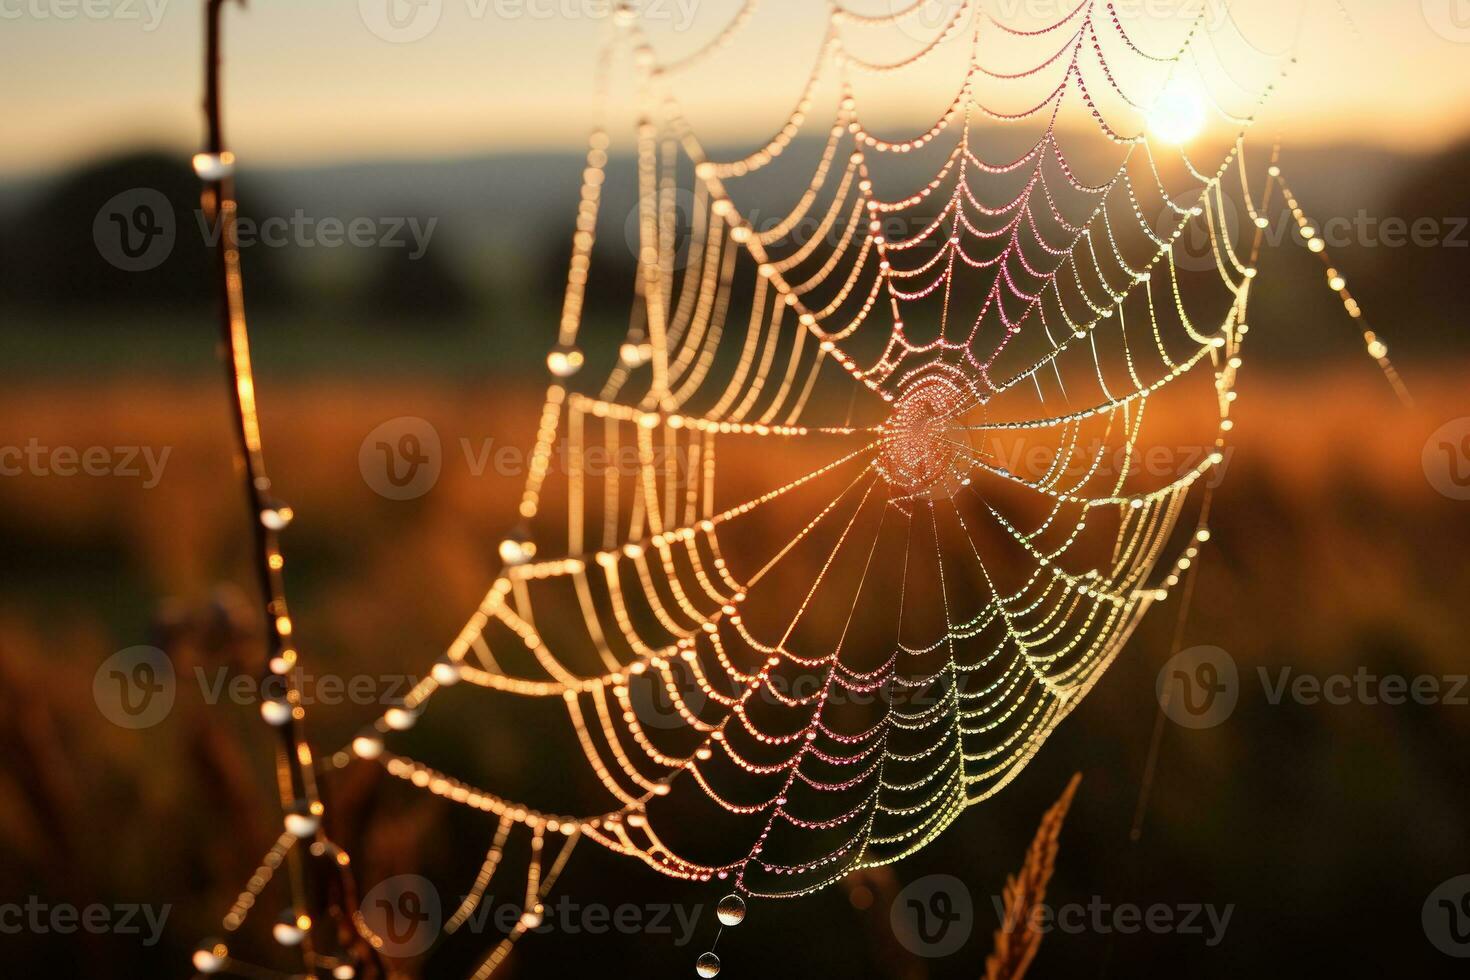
(319, 82)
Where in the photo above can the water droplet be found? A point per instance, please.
(731, 910)
(517, 549)
(210, 956)
(275, 712)
(635, 354)
(276, 517)
(708, 965)
(301, 820)
(287, 931)
(367, 746)
(399, 719)
(564, 360)
(214, 166)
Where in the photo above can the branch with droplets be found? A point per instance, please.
(322, 889)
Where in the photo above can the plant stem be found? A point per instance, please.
(330, 889)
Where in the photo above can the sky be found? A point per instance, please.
(320, 81)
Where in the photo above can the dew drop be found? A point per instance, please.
(564, 360)
(731, 910)
(210, 956)
(367, 746)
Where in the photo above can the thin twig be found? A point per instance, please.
(333, 891)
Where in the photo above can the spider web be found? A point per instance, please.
(882, 513)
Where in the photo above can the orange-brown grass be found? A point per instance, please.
(1326, 531)
(1019, 937)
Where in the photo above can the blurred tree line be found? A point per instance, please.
(55, 263)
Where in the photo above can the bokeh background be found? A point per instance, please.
(1340, 529)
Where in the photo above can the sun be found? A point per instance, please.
(1178, 114)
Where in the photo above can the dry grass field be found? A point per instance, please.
(1332, 553)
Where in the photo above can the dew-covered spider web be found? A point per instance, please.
(907, 430)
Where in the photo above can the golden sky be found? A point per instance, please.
(332, 80)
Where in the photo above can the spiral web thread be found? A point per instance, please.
(945, 606)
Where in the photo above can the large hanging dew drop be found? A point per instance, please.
(731, 910)
(708, 965)
(564, 360)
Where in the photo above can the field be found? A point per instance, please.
(1313, 821)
